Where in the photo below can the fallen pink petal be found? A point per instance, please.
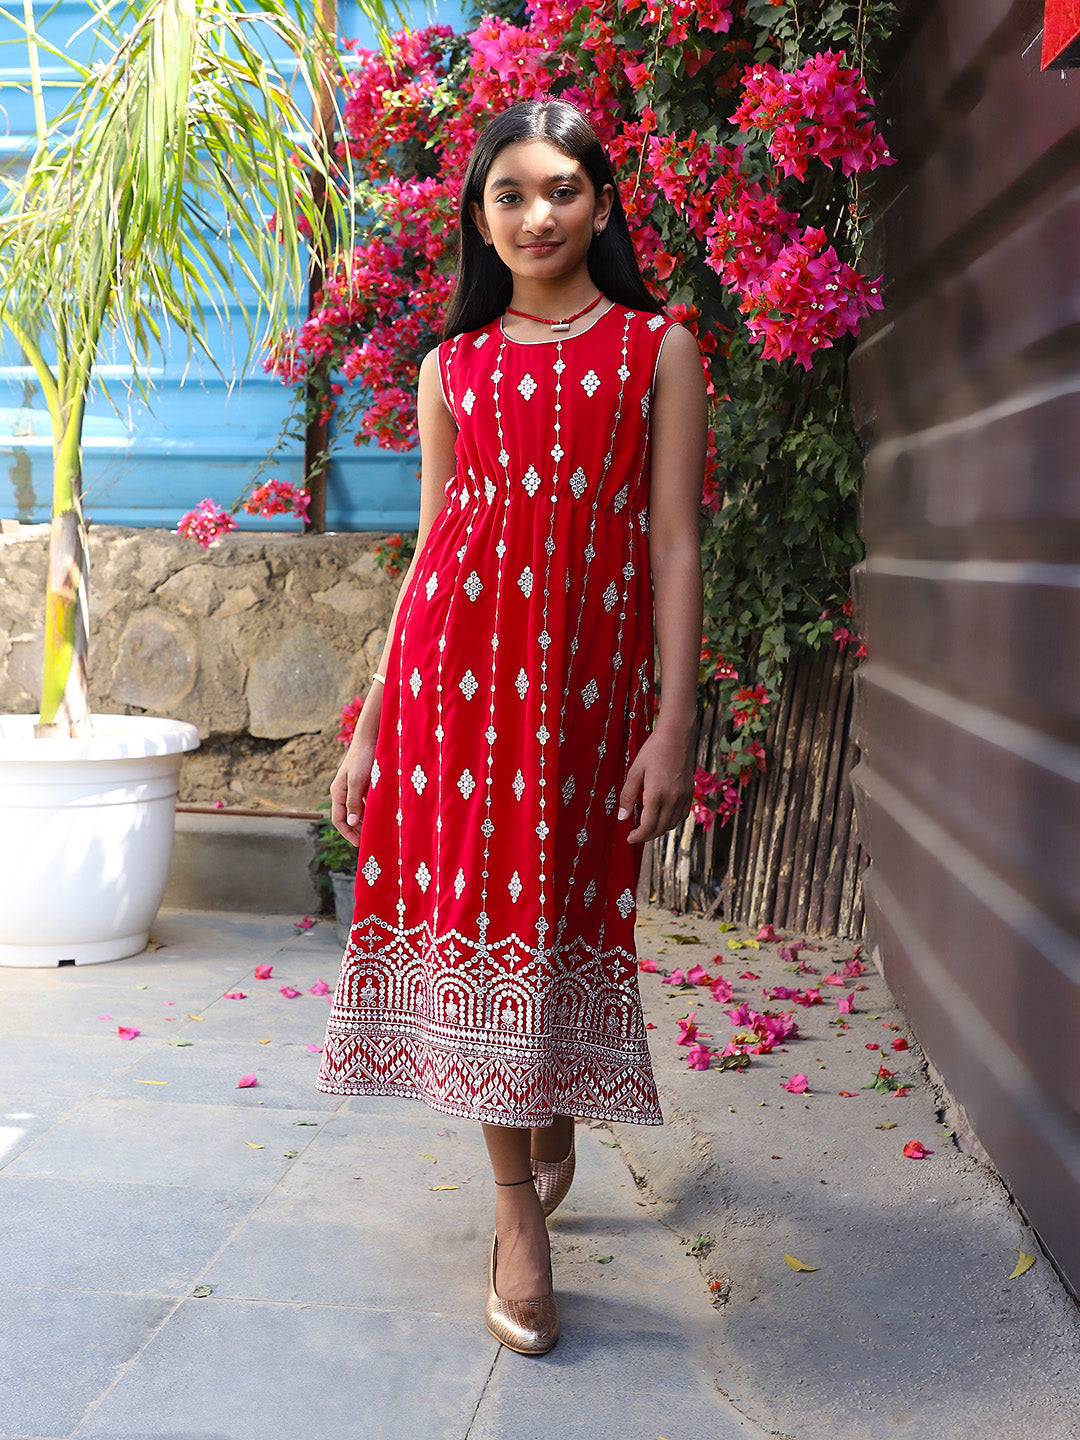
(749, 975)
(104, 1017)
(246, 1081)
(315, 1049)
(288, 992)
(798, 1084)
(697, 976)
(127, 1032)
(722, 990)
(834, 979)
(899, 1043)
(675, 978)
(319, 988)
(845, 1004)
(649, 966)
(263, 972)
(687, 1029)
(916, 1150)
(698, 1057)
(235, 995)
(767, 935)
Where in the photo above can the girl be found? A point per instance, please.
(504, 771)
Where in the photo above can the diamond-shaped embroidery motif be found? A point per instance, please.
(628, 571)
(415, 682)
(578, 482)
(423, 876)
(489, 490)
(466, 784)
(473, 585)
(542, 830)
(559, 366)
(432, 584)
(468, 400)
(645, 407)
(643, 521)
(623, 373)
(488, 828)
(500, 548)
(543, 735)
(419, 780)
(656, 322)
(557, 452)
(468, 684)
(531, 480)
(527, 386)
(375, 772)
(515, 887)
(590, 694)
(590, 553)
(459, 883)
(568, 790)
(611, 594)
(590, 383)
(440, 732)
(609, 801)
(461, 553)
(519, 785)
(372, 869)
(625, 903)
(481, 340)
(590, 892)
(496, 375)
(549, 545)
(543, 639)
(582, 835)
(620, 499)
(504, 456)
(490, 735)
(525, 581)
(522, 682)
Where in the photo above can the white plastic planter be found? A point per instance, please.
(86, 836)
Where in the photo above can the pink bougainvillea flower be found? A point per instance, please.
(697, 976)
(263, 972)
(749, 975)
(350, 713)
(288, 992)
(205, 523)
(849, 1094)
(675, 978)
(901, 1092)
(717, 960)
(721, 990)
(767, 935)
(845, 1004)
(235, 995)
(781, 992)
(798, 1084)
(305, 924)
(319, 988)
(315, 1049)
(834, 979)
(246, 1081)
(916, 1150)
(698, 1057)
(853, 967)
(127, 1032)
(741, 1016)
(872, 1045)
(649, 966)
(810, 997)
(687, 1029)
(168, 1002)
(649, 1025)
(899, 1043)
(104, 1017)
(219, 804)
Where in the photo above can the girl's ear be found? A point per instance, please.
(477, 213)
(602, 209)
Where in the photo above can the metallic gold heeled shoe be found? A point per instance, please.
(530, 1327)
(553, 1179)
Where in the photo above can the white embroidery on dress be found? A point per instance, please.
(543, 735)
(531, 480)
(590, 553)
(656, 322)
(459, 883)
(372, 870)
(432, 584)
(543, 832)
(419, 780)
(590, 694)
(609, 800)
(623, 373)
(515, 886)
(628, 571)
(415, 682)
(522, 682)
(468, 684)
(568, 790)
(519, 785)
(466, 784)
(488, 828)
(525, 581)
(559, 366)
(620, 499)
(590, 892)
(557, 452)
(473, 585)
(375, 772)
(590, 383)
(423, 877)
(578, 482)
(543, 639)
(468, 400)
(503, 457)
(625, 903)
(490, 735)
(489, 490)
(645, 406)
(481, 339)
(527, 386)
(611, 594)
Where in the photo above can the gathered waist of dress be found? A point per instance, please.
(469, 493)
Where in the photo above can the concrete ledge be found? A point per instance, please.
(239, 862)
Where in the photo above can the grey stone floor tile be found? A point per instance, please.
(206, 1073)
(24, 1118)
(80, 1009)
(59, 1066)
(62, 1349)
(265, 1011)
(80, 1235)
(285, 1371)
(209, 1146)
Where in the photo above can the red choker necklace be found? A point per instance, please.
(558, 327)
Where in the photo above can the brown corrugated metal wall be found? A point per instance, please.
(968, 709)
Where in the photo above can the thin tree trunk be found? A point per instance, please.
(814, 796)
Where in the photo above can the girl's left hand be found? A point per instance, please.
(662, 775)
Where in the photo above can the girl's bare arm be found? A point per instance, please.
(438, 432)
(662, 772)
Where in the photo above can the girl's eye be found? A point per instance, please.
(507, 198)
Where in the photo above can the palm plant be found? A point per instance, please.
(182, 164)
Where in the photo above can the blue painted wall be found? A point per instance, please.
(204, 433)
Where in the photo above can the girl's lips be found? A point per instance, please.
(542, 247)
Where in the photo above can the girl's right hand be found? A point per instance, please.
(349, 786)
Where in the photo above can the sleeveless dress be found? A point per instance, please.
(491, 968)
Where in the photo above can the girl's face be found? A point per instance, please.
(540, 210)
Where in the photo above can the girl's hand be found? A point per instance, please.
(350, 785)
(662, 774)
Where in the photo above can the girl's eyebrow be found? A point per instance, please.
(508, 181)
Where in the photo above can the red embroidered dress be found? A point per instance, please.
(491, 968)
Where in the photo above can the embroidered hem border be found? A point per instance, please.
(358, 1064)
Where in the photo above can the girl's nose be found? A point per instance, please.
(537, 218)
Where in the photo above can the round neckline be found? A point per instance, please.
(558, 339)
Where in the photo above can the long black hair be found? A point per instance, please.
(484, 284)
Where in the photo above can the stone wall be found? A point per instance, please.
(258, 641)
